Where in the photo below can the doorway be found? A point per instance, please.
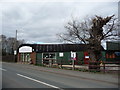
(25, 57)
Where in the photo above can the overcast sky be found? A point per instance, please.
(41, 21)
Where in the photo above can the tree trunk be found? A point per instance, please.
(94, 59)
(92, 55)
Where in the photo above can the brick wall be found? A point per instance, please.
(33, 57)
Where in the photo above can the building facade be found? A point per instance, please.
(54, 53)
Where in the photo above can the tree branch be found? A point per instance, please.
(110, 29)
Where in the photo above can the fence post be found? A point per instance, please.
(50, 62)
(61, 62)
(104, 67)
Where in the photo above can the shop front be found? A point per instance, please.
(25, 54)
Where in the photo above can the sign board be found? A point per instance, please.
(15, 52)
(86, 56)
(25, 49)
(73, 54)
(61, 55)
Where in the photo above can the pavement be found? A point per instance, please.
(16, 75)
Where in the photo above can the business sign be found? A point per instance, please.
(25, 49)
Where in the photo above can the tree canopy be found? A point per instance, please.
(7, 44)
(91, 31)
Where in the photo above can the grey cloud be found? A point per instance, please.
(40, 22)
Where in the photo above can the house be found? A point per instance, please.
(54, 53)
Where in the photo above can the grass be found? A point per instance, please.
(69, 68)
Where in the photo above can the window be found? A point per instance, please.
(49, 55)
(49, 58)
(110, 55)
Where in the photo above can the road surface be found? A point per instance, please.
(19, 76)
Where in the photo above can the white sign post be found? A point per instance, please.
(15, 52)
(61, 55)
(73, 57)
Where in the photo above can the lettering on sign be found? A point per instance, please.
(25, 49)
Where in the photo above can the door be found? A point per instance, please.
(25, 57)
(86, 58)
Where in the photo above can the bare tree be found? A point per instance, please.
(3, 44)
(91, 32)
(8, 44)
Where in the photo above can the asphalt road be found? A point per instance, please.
(18, 76)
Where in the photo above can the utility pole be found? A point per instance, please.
(119, 19)
(15, 50)
(16, 41)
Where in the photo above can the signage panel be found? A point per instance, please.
(60, 54)
(25, 49)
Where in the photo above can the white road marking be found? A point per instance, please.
(39, 81)
(3, 69)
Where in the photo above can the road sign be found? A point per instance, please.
(73, 54)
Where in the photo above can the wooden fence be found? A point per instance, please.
(100, 66)
(9, 58)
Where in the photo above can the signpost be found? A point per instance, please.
(61, 56)
(15, 52)
(73, 58)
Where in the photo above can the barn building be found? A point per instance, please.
(54, 53)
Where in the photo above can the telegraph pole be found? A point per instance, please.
(15, 50)
(16, 36)
(119, 19)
